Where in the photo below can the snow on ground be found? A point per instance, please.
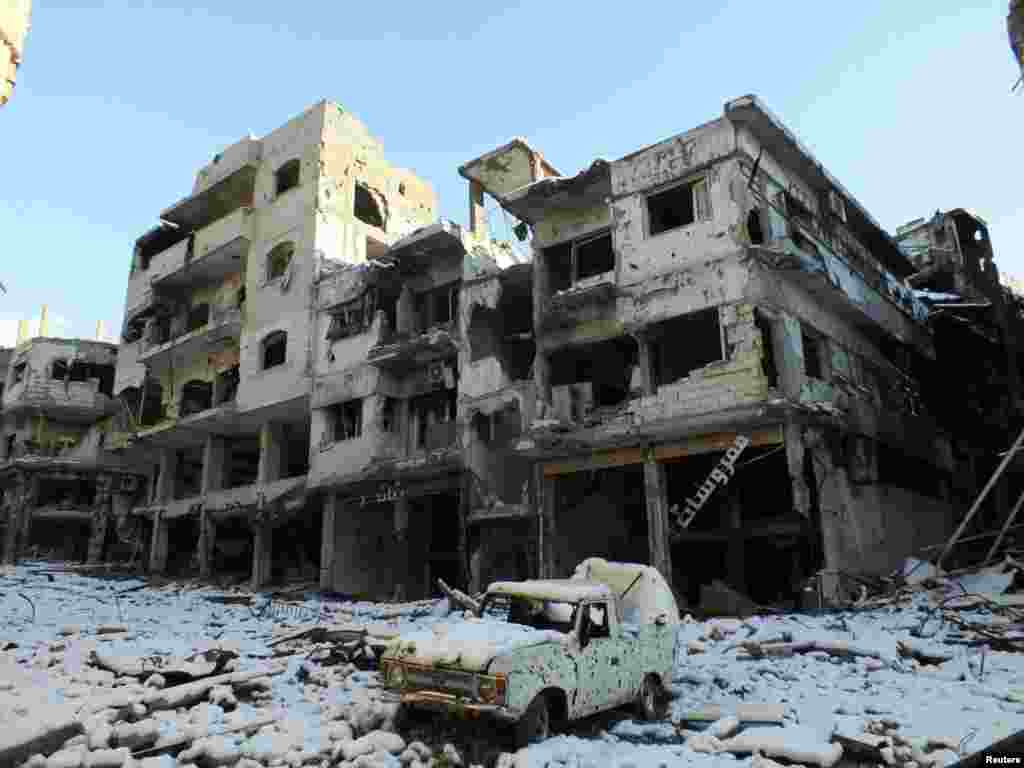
(315, 715)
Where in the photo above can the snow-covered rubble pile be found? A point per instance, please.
(899, 681)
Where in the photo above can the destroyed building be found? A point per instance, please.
(1015, 28)
(14, 25)
(973, 386)
(218, 356)
(397, 402)
(60, 488)
(715, 360)
(725, 346)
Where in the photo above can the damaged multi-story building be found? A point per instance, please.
(219, 355)
(715, 361)
(725, 340)
(1015, 28)
(394, 450)
(61, 490)
(14, 25)
(973, 386)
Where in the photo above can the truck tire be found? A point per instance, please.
(535, 724)
(652, 703)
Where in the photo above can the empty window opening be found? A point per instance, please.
(346, 420)
(10, 441)
(366, 208)
(685, 344)
(558, 260)
(754, 228)
(196, 396)
(764, 327)
(243, 461)
(226, 386)
(189, 477)
(570, 262)
(592, 376)
(60, 370)
(353, 317)
(79, 371)
(153, 407)
(296, 463)
(438, 306)
(434, 419)
(275, 347)
(19, 373)
(182, 545)
(278, 259)
(198, 316)
(594, 256)
(286, 177)
(296, 554)
(679, 206)
(812, 343)
(482, 426)
(232, 548)
(389, 416)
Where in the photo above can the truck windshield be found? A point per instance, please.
(530, 612)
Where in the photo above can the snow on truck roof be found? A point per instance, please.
(563, 590)
(643, 593)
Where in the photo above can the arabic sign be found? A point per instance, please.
(389, 492)
(720, 475)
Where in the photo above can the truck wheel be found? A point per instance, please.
(535, 724)
(652, 703)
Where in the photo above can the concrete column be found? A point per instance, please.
(158, 548)
(207, 540)
(100, 517)
(272, 443)
(261, 554)
(14, 522)
(405, 311)
(658, 530)
(332, 503)
(167, 480)
(787, 346)
(644, 353)
(547, 527)
(403, 550)
(477, 212)
(214, 463)
(737, 543)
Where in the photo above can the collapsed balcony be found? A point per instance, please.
(190, 334)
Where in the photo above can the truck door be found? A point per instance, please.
(603, 669)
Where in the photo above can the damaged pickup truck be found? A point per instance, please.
(543, 653)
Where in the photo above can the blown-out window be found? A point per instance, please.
(278, 259)
(678, 206)
(275, 347)
(286, 177)
(366, 208)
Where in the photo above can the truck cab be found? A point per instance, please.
(544, 652)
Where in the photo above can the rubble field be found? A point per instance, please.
(99, 672)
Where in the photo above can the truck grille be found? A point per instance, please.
(444, 680)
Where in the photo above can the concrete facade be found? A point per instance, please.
(14, 25)
(219, 346)
(61, 490)
(714, 286)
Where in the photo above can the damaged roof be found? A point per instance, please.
(750, 111)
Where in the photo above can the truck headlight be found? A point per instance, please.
(492, 689)
(396, 675)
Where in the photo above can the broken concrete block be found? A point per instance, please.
(110, 629)
(137, 735)
(99, 737)
(795, 743)
(156, 680)
(107, 758)
(67, 758)
(69, 629)
(694, 647)
(451, 755)
(724, 728)
(703, 742)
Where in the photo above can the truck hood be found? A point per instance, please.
(470, 644)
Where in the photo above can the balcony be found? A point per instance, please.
(213, 253)
(403, 354)
(224, 324)
(74, 401)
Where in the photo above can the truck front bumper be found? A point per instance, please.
(436, 701)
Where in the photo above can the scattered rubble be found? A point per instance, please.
(922, 673)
